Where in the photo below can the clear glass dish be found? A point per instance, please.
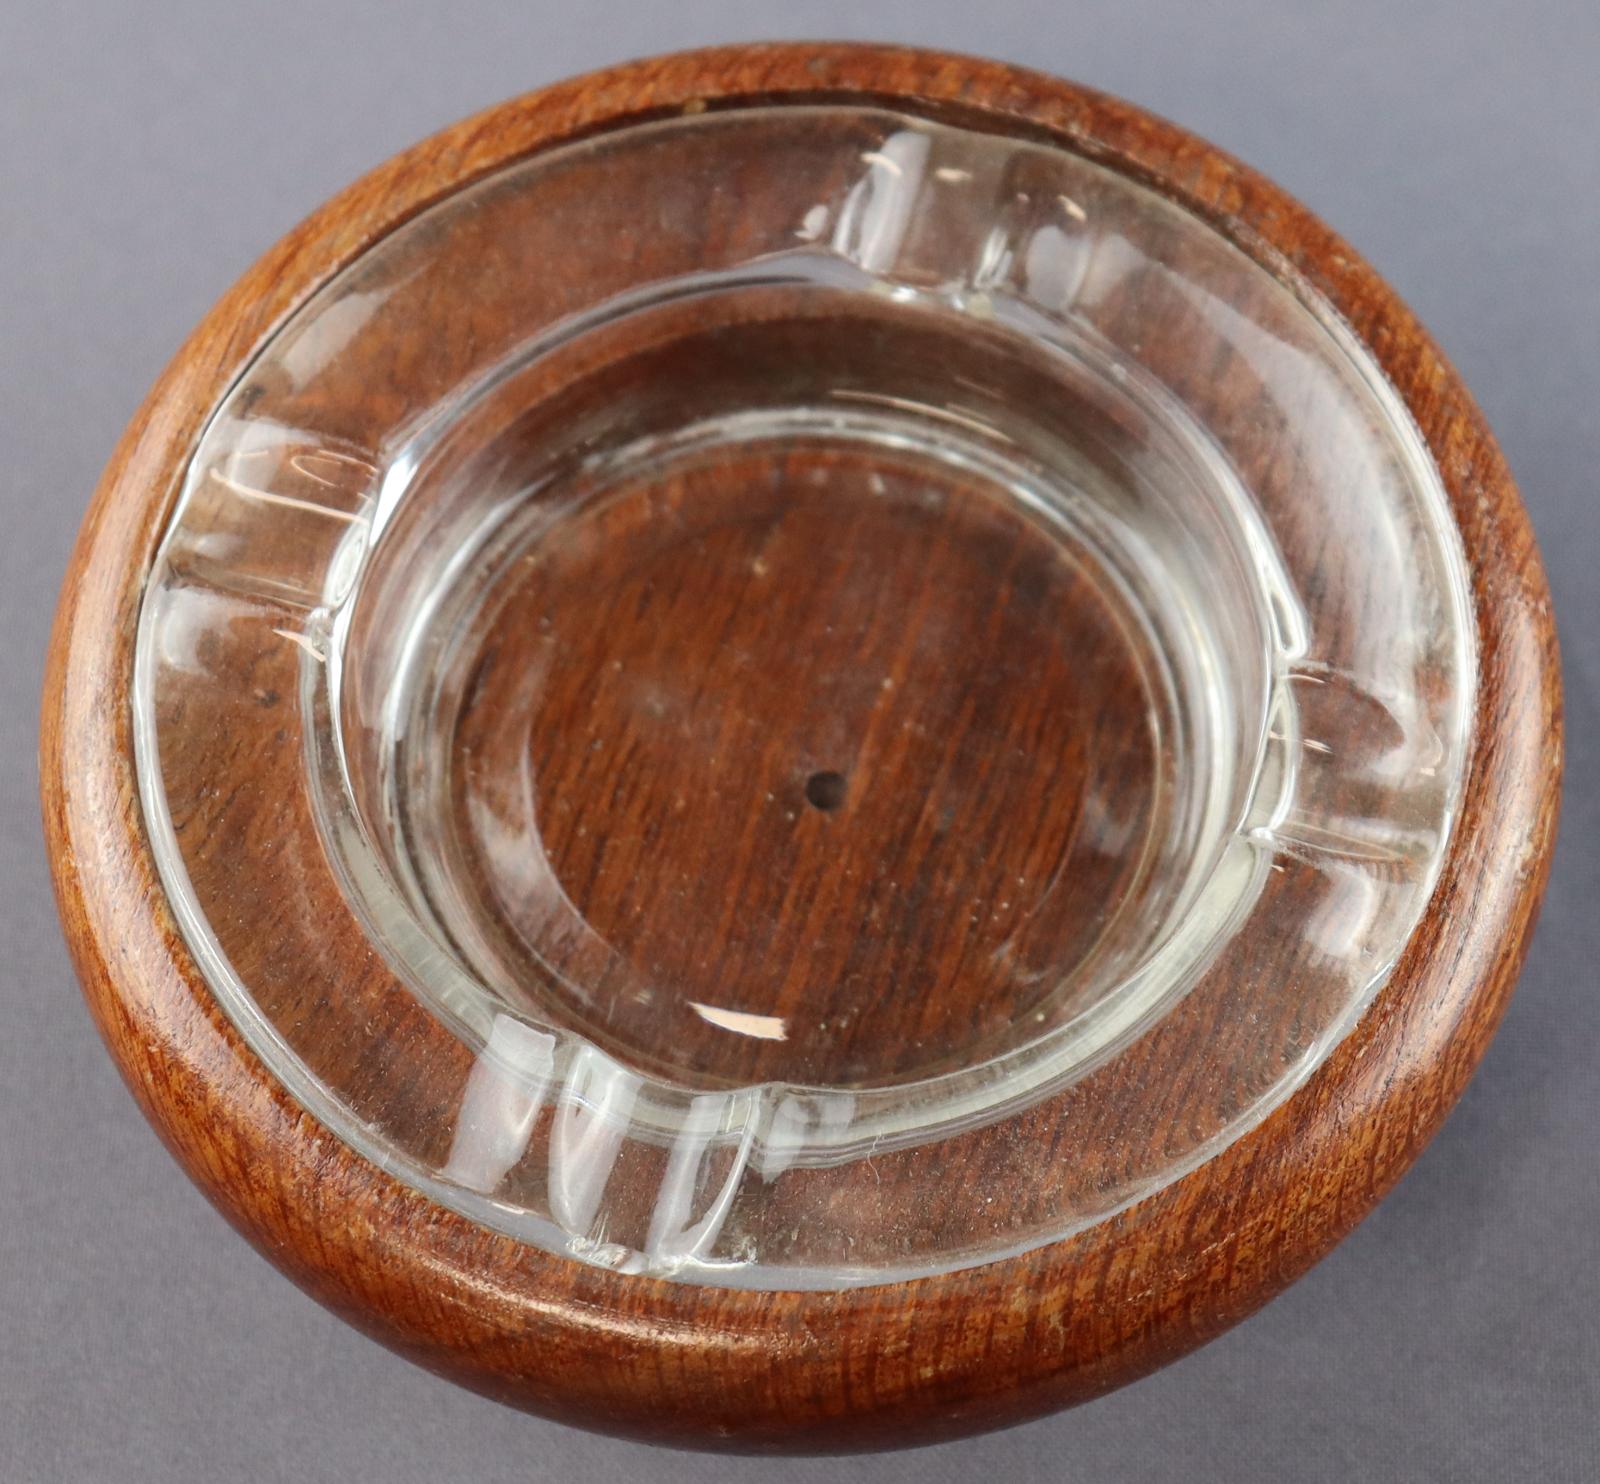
(776, 658)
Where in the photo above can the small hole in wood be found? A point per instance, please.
(825, 791)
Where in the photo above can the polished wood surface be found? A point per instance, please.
(824, 734)
(895, 1363)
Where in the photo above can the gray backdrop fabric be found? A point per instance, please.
(149, 152)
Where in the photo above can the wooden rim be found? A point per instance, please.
(914, 1361)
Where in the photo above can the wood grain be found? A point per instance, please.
(867, 1367)
(676, 745)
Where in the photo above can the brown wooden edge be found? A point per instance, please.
(868, 1367)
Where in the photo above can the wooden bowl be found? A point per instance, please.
(802, 747)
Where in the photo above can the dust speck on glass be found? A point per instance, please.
(896, 347)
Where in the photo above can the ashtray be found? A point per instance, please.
(802, 746)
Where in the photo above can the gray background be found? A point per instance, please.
(149, 152)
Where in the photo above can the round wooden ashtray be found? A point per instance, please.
(802, 747)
